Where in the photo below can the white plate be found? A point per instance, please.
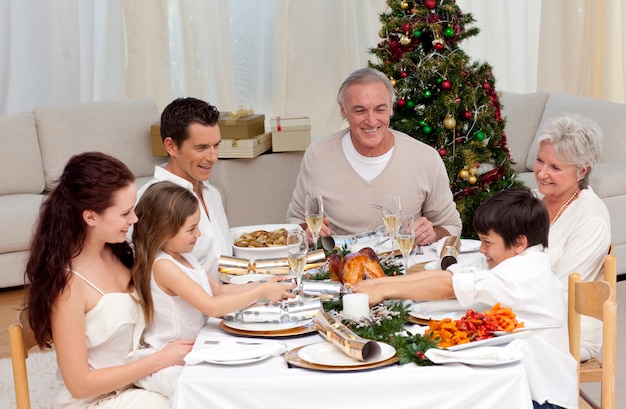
(438, 310)
(265, 326)
(249, 278)
(239, 361)
(325, 353)
(467, 245)
(501, 340)
(433, 265)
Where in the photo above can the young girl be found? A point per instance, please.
(177, 293)
(81, 296)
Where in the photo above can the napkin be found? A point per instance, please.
(228, 350)
(485, 355)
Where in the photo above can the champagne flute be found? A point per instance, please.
(391, 215)
(297, 247)
(314, 215)
(406, 238)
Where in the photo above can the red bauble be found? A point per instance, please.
(430, 4)
(403, 74)
(463, 73)
(406, 27)
(438, 46)
(442, 152)
(446, 84)
(467, 115)
(401, 103)
(486, 85)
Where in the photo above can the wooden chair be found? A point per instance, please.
(595, 299)
(21, 340)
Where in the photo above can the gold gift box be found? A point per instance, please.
(245, 127)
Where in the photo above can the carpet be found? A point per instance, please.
(41, 368)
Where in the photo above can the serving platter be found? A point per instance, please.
(304, 327)
(499, 340)
(438, 310)
(294, 360)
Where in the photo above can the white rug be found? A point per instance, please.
(41, 369)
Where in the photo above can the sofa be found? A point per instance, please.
(255, 191)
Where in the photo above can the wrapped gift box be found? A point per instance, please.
(280, 124)
(245, 127)
(157, 144)
(245, 148)
(285, 141)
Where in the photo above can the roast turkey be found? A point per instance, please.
(354, 267)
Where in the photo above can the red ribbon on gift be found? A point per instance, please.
(278, 123)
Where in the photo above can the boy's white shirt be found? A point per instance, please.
(526, 284)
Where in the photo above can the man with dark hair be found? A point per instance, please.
(191, 137)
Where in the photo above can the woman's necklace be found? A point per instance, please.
(558, 214)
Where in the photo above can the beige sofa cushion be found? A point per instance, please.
(609, 115)
(120, 129)
(19, 214)
(523, 113)
(20, 166)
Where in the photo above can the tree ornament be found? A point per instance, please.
(417, 33)
(410, 104)
(448, 32)
(393, 82)
(382, 33)
(403, 74)
(404, 5)
(486, 85)
(473, 170)
(472, 179)
(439, 46)
(467, 115)
(422, 123)
(463, 173)
(449, 122)
(446, 85)
(439, 80)
(457, 100)
(427, 129)
(427, 94)
(430, 4)
(480, 136)
(437, 38)
(401, 102)
(405, 40)
(442, 152)
(406, 27)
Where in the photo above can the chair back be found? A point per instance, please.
(610, 269)
(594, 299)
(21, 340)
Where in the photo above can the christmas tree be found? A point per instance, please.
(444, 99)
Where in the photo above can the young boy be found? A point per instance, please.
(515, 271)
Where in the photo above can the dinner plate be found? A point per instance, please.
(249, 278)
(325, 353)
(265, 326)
(500, 340)
(306, 327)
(438, 310)
(467, 245)
(293, 360)
(239, 361)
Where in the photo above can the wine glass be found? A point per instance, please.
(405, 238)
(297, 247)
(314, 215)
(391, 215)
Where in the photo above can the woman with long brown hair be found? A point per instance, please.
(81, 296)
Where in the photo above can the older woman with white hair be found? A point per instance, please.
(580, 227)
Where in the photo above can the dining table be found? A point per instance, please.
(274, 383)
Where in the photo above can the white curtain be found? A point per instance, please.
(281, 57)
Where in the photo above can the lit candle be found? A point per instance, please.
(356, 305)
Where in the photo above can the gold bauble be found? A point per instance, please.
(405, 40)
(463, 173)
(472, 180)
(404, 5)
(473, 170)
(393, 82)
(449, 122)
(382, 33)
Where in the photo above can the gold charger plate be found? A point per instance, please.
(293, 359)
(416, 320)
(290, 332)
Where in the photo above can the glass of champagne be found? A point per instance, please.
(405, 238)
(297, 247)
(391, 215)
(314, 215)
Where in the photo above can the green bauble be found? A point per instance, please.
(427, 129)
(480, 136)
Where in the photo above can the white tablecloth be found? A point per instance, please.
(271, 384)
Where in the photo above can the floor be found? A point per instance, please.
(12, 299)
